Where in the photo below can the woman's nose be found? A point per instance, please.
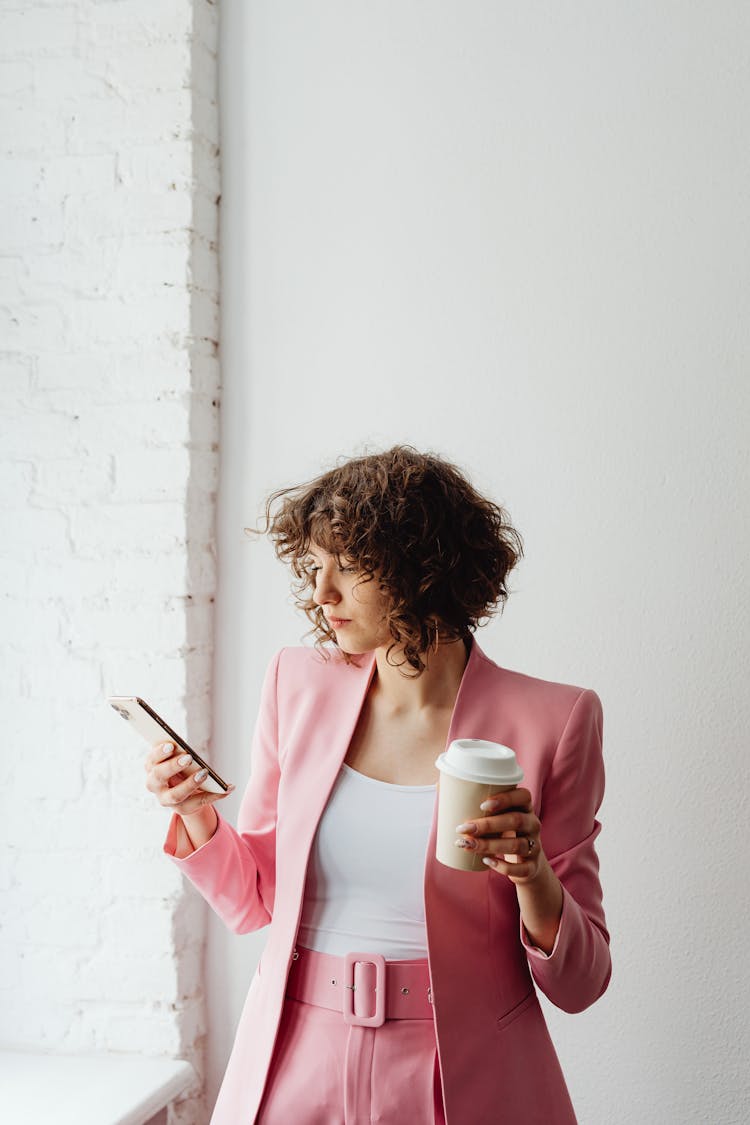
(325, 590)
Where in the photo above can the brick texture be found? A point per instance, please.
(109, 399)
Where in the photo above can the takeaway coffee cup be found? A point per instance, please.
(471, 770)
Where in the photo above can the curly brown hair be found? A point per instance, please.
(440, 551)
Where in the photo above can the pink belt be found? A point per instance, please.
(364, 987)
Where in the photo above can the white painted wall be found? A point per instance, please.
(517, 234)
(108, 470)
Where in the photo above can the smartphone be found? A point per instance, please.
(152, 727)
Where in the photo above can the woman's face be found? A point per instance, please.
(354, 606)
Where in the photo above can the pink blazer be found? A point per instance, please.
(497, 1061)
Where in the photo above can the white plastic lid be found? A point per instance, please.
(473, 759)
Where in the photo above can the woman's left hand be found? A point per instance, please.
(508, 837)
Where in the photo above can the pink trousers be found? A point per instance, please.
(327, 1072)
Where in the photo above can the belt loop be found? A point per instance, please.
(378, 1017)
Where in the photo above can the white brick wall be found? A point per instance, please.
(109, 183)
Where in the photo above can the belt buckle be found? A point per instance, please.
(378, 1017)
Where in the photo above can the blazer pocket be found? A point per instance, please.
(516, 1011)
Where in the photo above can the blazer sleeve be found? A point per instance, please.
(577, 971)
(235, 870)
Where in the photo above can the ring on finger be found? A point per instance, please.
(531, 842)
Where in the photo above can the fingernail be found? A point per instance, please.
(167, 749)
(183, 761)
(488, 806)
(462, 842)
(468, 827)
(201, 775)
(488, 860)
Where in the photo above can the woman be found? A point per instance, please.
(436, 1017)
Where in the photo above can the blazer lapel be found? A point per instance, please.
(321, 743)
(450, 894)
(457, 723)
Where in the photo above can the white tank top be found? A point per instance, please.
(365, 878)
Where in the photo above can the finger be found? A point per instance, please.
(170, 773)
(200, 800)
(158, 753)
(175, 794)
(176, 767)
(526, 823)
(510, 799)
(507, 844)
(519, 846)
(522, 872)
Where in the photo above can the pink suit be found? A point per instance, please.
(497, 1061)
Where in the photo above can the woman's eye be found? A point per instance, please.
(311, 568)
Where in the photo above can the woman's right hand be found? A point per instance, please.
(175, 780)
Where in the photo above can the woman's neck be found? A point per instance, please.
(436, 687)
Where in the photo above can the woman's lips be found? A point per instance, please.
(337, 622)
